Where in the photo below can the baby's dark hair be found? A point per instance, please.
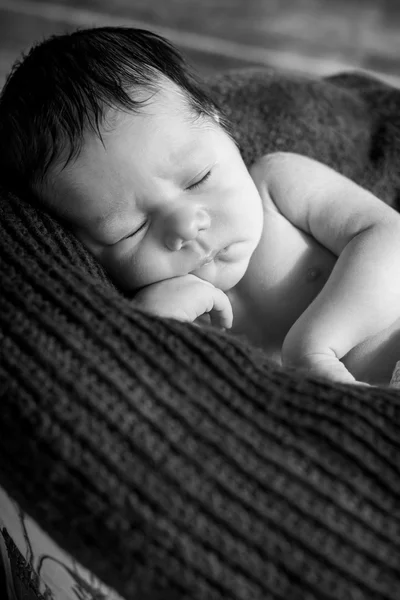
(64, 87)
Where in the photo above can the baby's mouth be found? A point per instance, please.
(207, 259)
(210, 256)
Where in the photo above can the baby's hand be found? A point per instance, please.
(302, 352)
(327, 366)
(187, 298)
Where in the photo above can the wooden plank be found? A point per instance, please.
(311, 36)
(22, 22)
(18, 32)
(333, 25)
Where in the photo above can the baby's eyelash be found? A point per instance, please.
(136, 230)
(198, 183)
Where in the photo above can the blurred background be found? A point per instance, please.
(307, 36)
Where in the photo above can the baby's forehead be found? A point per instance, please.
(170, 141)
(163, 97)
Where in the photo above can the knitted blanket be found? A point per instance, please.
(175, 462)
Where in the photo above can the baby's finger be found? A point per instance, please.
(334, 372)
(221, 314)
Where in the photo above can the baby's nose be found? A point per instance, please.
(184, 224)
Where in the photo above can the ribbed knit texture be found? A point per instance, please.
(174, 461)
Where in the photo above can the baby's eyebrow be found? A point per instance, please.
(112, 213)
(190, 150)
(105, 218)
(111, 222)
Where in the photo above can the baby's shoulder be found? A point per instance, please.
(275, 170)
(273, 161)
(264, 171)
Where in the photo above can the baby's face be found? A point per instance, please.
(163, 195)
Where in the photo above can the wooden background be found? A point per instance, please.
(313, 36)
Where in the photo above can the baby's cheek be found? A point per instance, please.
(133, 268)
(118, 267)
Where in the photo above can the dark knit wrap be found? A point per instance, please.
(174, 461)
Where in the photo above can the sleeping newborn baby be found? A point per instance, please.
(141, 165)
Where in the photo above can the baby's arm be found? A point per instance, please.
(362, 294)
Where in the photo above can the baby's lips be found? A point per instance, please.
(212, 255)
(207, 259)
